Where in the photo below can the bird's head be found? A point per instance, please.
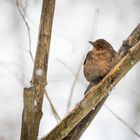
(101, 44)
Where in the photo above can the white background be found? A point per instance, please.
(75, 23)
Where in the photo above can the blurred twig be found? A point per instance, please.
(31, 55)
(73, 86)
(27, 26)
(79, 129)
(66, 66)
(121, 120)
(69, 69)
(92, 35)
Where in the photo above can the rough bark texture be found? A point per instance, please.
(33, 96)
(28, 113)
(132, 40)
(77, 131)
(95, 95)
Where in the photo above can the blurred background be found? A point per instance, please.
(75, 23)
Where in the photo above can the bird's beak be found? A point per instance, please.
(91, 42)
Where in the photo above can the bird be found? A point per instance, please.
(99, 61)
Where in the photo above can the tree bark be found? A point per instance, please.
(33, 96)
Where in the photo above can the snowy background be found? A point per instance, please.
(75, 23)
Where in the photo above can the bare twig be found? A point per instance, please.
(66, 66)
(31, 55)
(73, 87)
(56, 115)
(121, 120)
(27, 26)
(93, 30)
(70, 70)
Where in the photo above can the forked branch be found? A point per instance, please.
(31, 116)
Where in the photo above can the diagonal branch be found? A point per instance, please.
(95, 94)
(79, 129)
(124, 122)
(31, 55)
(27, 26)
(38, 81)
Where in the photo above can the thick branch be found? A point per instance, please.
(95, 95)
(77, 131)
(39, 81)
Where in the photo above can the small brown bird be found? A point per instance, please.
(99, 61)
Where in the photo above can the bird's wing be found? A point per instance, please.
(114, 59)
(87, 57)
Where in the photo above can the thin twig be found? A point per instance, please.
(93, 30)
(121, 120)
(27, 26)
(66, 66)
(57, 117)
(70, 70)
(73, 87)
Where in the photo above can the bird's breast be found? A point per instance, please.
(97, 66)
(101, 55)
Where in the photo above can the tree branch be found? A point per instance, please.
(79, 129)
(38, 81)
(95, 95)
